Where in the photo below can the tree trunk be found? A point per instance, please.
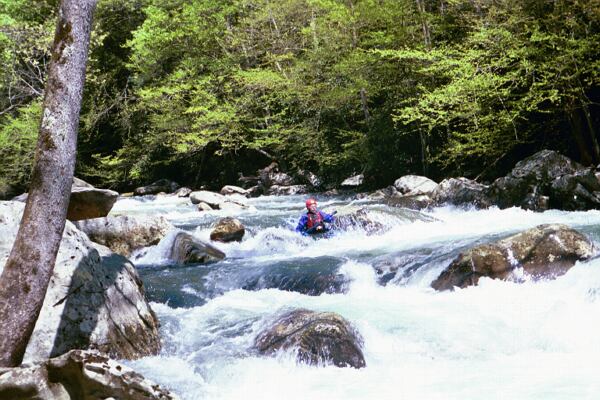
(27, 272)
(424, 24)
(365, 105)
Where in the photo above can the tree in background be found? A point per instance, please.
(27, 271)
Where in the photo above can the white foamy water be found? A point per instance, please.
(498, 340)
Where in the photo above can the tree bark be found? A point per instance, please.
(29, 267)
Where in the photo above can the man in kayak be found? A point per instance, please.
(313, 221)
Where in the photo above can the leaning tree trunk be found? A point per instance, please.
(27, 272)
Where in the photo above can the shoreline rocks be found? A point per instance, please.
(95, 298)
(78, 375)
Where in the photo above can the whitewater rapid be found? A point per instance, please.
(498, 340)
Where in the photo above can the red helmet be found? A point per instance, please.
(310, 202)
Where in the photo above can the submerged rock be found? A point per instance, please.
(78, 375)
(546, 251)
(124, 234)
(95, 298)
(228, 229)
(309, 276)
(186, 249)
(317, 338)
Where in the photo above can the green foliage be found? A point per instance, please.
(387, 87)
(17, 145)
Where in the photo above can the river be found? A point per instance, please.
(498, 340)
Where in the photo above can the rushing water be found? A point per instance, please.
(499, 340)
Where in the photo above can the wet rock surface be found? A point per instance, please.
(228, 230)
(546, 251)
(317, 338)
(186, 249)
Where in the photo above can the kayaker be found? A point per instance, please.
(314, 220)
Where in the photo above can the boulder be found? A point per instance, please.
(545, 180)
(546, 251)
(85, 202)
(80, 183)
(186, 249)
(182, 192)
(352, 182)
(124, 234)
(95, 298)
(228, 230)
(230, 189)
(162, 185)
(415, 185)
(277, 190)
(357, 220)
(309, 178)
(280, 179)
(317, 338)
(461, 191)
(232, 205)
(202, 206)
(88, 203)
(216, 200)
(204, 196)
(78, 375)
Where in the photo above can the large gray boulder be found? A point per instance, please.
(546, 251)
(461, 191)
(95, 298)
(415, 185)
(125, 234)
(78, 375)
(545, 180)
(86, 201)
(186, 249)
(317, 338)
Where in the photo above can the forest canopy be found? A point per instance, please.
(199, 91)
